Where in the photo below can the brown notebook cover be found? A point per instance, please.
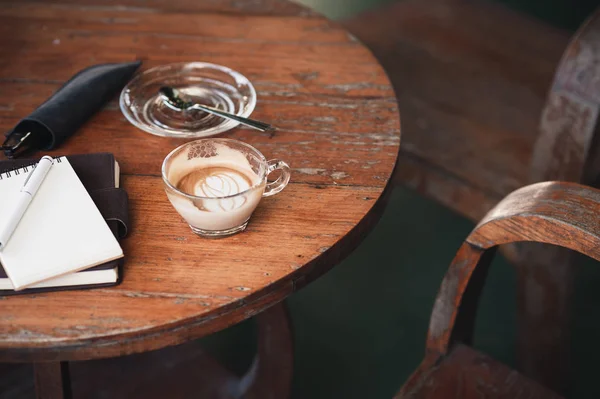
(100, 176)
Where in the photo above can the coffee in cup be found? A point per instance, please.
(216, 184)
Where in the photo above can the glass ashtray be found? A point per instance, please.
(208, 84)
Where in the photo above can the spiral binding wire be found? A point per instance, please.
(6, 174)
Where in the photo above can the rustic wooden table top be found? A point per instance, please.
(339, 131)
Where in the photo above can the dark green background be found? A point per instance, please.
(360, 329)
(563, 13)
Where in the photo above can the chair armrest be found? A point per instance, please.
(564, 214)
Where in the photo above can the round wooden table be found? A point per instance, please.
(338, 129)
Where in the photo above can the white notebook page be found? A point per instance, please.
(61, 232)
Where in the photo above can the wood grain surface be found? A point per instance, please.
(567, 150)
(557, 213)
(338, 129)
(177, 372)
(562, 214)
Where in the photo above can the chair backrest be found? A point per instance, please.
(563, 214)
(565, 147)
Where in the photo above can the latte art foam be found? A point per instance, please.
(225, 186)
(216, 182)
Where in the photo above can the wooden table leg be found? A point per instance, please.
(270, 376)
(180, 371)
(52, 380)
(544, 301)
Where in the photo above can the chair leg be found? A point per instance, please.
(52, 380)
(270, 376)
(544, 298)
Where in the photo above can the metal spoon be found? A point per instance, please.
(174, 100)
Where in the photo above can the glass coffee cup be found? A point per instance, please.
(216, 184)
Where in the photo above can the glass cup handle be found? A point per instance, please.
(279, 184)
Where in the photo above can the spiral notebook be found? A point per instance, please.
(61, 232)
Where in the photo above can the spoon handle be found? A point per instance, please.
(263, 127)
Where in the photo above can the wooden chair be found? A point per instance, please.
(562, 214)
(472, 80)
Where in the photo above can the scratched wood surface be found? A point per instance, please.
(339, 131)
(557, 213)
(566, 149)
